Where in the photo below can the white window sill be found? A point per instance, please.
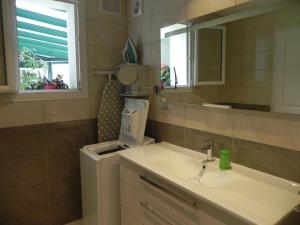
(180, 89)
(44, 95)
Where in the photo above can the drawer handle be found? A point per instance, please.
(168, 192)
(154, 213)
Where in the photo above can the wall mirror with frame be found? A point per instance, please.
(245, 59)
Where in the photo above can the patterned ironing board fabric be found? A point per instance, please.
(109, 113)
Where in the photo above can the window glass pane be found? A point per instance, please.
(174, 57)
(47, 45)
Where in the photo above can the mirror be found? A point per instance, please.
(248, 61)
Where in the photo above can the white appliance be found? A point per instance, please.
(99, 166)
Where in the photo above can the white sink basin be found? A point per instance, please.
(189, 168)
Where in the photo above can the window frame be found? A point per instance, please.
(11, 54)
(189, 66)
(195, 45)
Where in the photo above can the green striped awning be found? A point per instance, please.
(46, 34)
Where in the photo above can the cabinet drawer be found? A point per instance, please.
(154, 202)
(128, 219)
(149, 209)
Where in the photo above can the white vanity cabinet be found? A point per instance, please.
(196, 8)
(146, 200)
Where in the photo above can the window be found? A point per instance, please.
(174, 57)
(47, 57)
(46, 45)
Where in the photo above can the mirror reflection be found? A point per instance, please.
(2, 53)
(252, 63)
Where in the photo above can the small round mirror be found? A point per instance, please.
(127, 75)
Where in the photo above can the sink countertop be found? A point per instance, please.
(253, 196)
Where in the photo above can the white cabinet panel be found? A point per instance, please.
(146, 201)
(196, 8)
(128, 219)
(286, 80)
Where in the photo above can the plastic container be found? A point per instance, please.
(225, 163)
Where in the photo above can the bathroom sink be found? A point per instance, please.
(255, 197)
(191, 169)
(213, 177)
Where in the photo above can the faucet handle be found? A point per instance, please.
(209, 148)
(210, 145)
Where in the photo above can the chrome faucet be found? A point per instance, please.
(209, 149)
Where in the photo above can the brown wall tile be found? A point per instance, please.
(65, 200)
(21, 142)
(26, 206)
(169, 133)
(39, 170)
(194, 139)
(277, 161)
(63, 165)
(67, 136)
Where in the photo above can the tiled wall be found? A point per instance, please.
(106, 35)
(39, 150)
(281, 130)
(277, 161)
(40, 172)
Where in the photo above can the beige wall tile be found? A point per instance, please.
(95, 101)
(257, 78)
(20, 113)
(97, 83)
(210, 120)
(107, 34)
(192, 98)
(234, 63)
(258, 43)
(140, 31)
(233, 94)
(258, 61)
(259, 24)
(104, 58)
(277, 130)
(257, 96)
(157, 22)
(66, 110)
(287, 18)
(154, 76)
(151, 55)
(173, 115)
(234, 79)
(234, 30)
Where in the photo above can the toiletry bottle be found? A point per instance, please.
(225, 163)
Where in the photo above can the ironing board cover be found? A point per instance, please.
(109, 113)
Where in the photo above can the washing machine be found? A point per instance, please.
(99, 166)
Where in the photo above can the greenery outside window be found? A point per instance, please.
(46, 45)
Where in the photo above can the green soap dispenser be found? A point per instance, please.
(225, 163)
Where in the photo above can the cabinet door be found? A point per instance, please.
(196, 8)
(286, 71)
